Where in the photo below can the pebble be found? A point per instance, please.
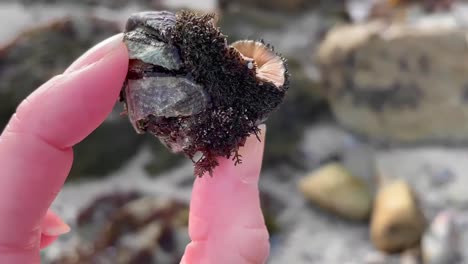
(334, 189)
(397, 221)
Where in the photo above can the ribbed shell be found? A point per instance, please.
(270, 67)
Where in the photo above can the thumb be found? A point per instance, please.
(35, 148)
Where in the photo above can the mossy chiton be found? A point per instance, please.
(193, 91)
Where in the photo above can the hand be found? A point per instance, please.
(226, 223)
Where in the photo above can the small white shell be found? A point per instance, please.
(270, 66)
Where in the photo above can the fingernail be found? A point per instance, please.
(96, 53)
(53, 225)
(59, 228)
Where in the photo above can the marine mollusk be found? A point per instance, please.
(193, 91)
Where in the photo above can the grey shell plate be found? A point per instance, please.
(154, 52)
(164, 97)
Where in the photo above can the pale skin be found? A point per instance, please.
(226, 224)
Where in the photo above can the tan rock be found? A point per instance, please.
(397, 222)
(334, 189)
(401, 82)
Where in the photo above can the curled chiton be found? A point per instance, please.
(193, 91)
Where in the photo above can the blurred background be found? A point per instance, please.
(366, 161)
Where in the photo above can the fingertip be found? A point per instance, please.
(195, 252)
(69, 107)
(97, 52)
(53, 225)
(51, 228)
(225, 201)
(47, 241)
(254, 143)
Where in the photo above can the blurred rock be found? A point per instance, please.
(399, 82)
(397, 221)
(427, 5)
(323, 143)
(360, 10)
(163, 159)
(277, 5)
(436, 172)
(272, 207)
(334, 189)
(300, 108)
(93, 219)
(439, 176)
(104, 3)
(359, 159)
(45, 51)
(106, 149)
(393, 10)
(441, 242)
(376, 257)
(146, 230)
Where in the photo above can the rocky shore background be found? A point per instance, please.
(372, 168)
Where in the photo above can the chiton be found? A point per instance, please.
(193, 91)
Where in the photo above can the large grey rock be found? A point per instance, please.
(400, 82)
